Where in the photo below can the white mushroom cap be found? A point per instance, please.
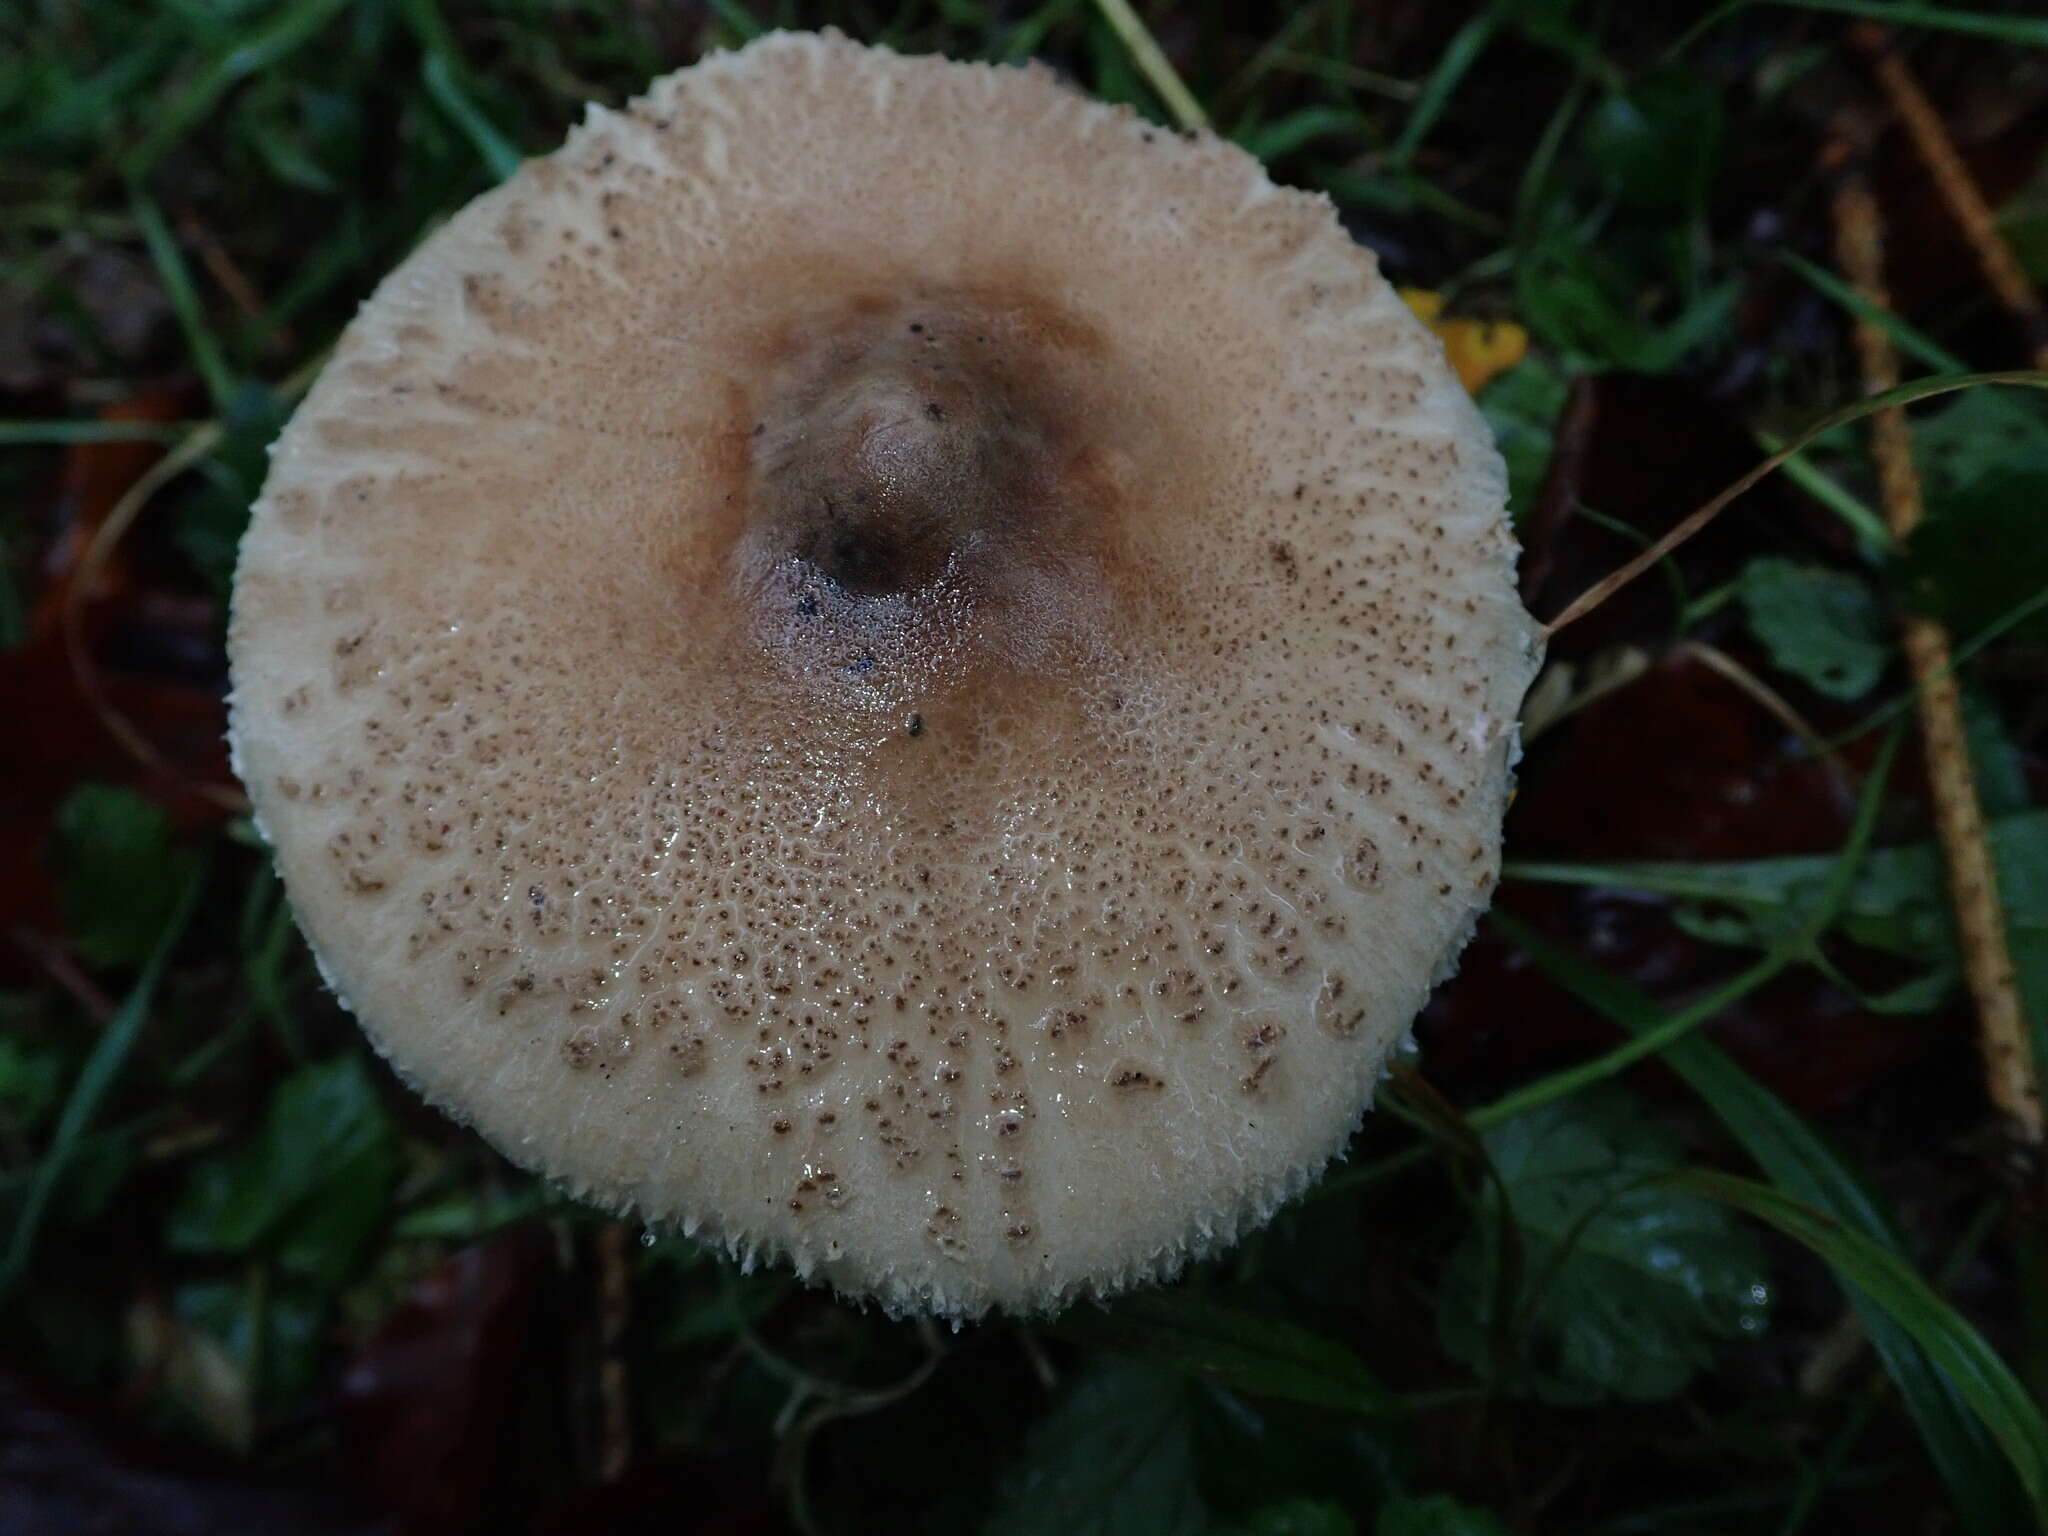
(891, 666)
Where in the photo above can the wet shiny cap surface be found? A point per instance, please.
(892, 667)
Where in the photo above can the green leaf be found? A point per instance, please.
(1955, 1348)
(1656, 143)
(1897, 902)
(1979, 435)
(309, 1188)
(1115, 1458)
(1625, 1289)
(1522, 406)
(1822, 626)
(1983, 461)
(471, 1214)
(1438, 1514)
(1980, 553)
(1246, 1351)
(119, 872)
(1583, 306)
(29, 1082)
(269, 1337)
(1809, 1170)
(1296, 1517)
(2001, 771)
(95, 1079)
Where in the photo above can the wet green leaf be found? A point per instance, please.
(1979, 435)
(1244, 1349)
(1580, 303)
(1656, 143)
(309, 1188)
(1115, 1458)
(120, 872)
(1980, 554)
(1296, 1517)
(1822, 626)
(1624, 1289)
(471, 1214)
(2001, 770)
(1805, 1166)
(1896, 903)
(1436, 1515)
(30, 1079)
(1522, 407)
(1958, 1350)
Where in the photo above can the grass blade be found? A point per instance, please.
(1954, 1348)
(442, 72)
(97, 1076)
(1661, 1034)
(278, 37)
(184, 298)
(2027, 32)
(57, 432)
(1152, 63)
(1459, 55)
(1807, 1169)
(1246, 1351)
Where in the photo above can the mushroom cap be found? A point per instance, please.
(892, 667)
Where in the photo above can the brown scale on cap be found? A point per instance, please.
(890, 665)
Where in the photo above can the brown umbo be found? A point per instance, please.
(892, 667)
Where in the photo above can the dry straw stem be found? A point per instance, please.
(1152, 63)
(92, 565)
(1958, 188)
(1958, 818)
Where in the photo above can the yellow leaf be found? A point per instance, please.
(1478, 349)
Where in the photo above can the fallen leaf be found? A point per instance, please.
(1479, 350)
(429, 1404)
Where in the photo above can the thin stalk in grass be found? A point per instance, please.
(2011, 1073)
(1152, 63)
(1904, 394)
(1677, 1026)
(1958, 188)
(1990, 634)
(1795, 946)
(1772, 702)
(112, 529)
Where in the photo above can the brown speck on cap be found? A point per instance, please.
(973, 635)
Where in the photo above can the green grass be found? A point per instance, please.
(198, 1149)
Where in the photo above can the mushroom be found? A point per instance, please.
(891, 667)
